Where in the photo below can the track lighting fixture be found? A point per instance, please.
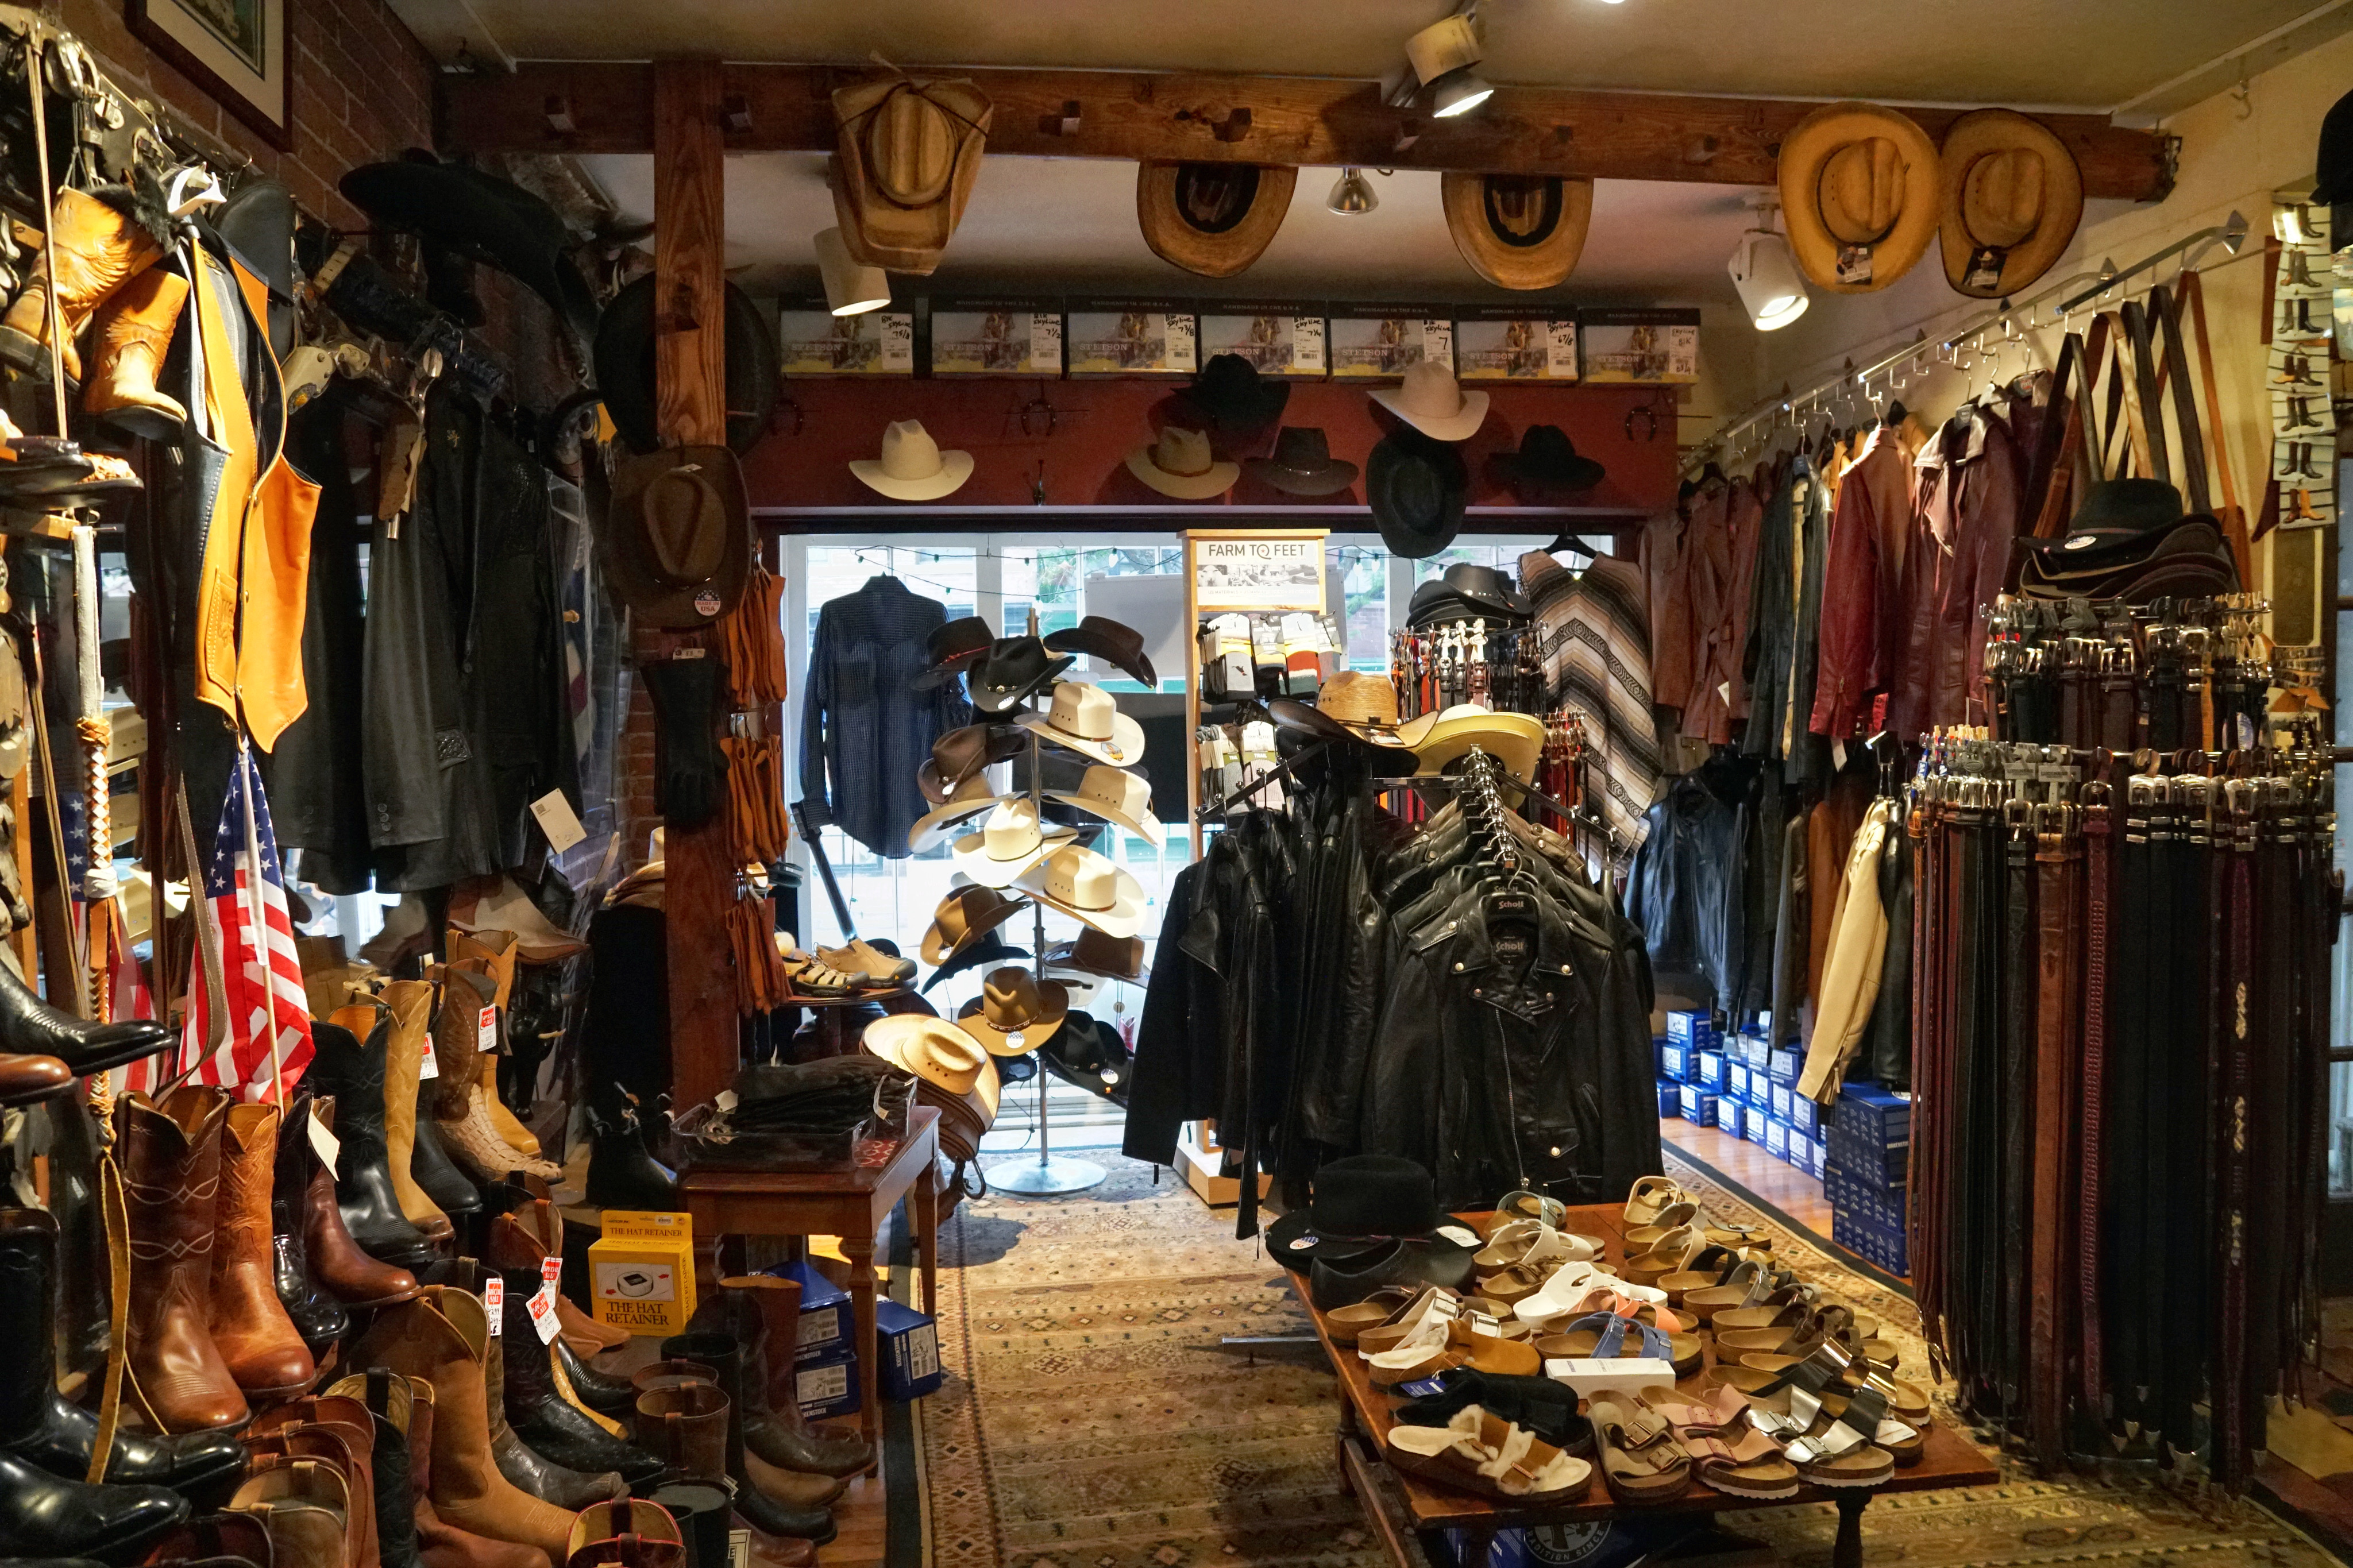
(1766, 274)
(1443, 57)
(1352, 195)
(850, 286)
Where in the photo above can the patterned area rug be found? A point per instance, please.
(1091, 1419)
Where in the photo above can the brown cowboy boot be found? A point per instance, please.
(135, 333)
(461, 1116)
(411, 1001)
(263, 1350)
(171, 1173)
(499, 952)
(91, 251)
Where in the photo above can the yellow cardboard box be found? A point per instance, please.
(642, 1271)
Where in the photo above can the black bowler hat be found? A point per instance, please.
(1549, 461)
(1364, 1202)
(1229, 392)
(1417, 488)
(1010, 671)
(1302, 463)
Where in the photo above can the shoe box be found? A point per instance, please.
(1867, 1219)
(827, 1385)
(909, 1367)
(826, 1319)
(1870, 1135)
(642, 1272)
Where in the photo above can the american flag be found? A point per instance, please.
(266, 1000)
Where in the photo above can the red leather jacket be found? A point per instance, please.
(1863, 586)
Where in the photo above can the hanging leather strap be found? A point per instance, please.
(2098, 867)
(2193, 302)
(2055, 1008)
(2098, 427)
(2141, 397)
(2050, 480)
(114, 1212)
(2165, 318)
(2136, 461)
(2015, 1034)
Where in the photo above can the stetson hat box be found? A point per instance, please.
(1509, 343)
(995, 337)
(1273, 335)
(813, 340)
(1377, 343)
(1638, 344)
(1132, 337)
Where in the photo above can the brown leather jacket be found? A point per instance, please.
(1966, 512)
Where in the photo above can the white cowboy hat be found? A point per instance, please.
(1180, 464)
(1515, 740)
(969, 799)
(912, 467)
(1117, 796)
(1083, 717)
(1432, 402)
(932, 1048)
(1086, 887)
(1007, 844)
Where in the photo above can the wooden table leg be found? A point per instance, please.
(860, 1251)
(925, 1200)
(1848, 1551)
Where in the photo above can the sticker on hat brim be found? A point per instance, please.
(1459, 1234)
(706, 603)
(1854, 265)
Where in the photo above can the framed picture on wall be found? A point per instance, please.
(234, 50)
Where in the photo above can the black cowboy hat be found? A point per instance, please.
(1011, 669)
(952, 647)
(990, 949)
(2334, 160)
(1547, 460)
(1490, 589)
(1230, 394)
(1417, 488)
(1087, 1053)
(1302, 463)
(624, 366)
(484, 218)
(1364, 1202)
(1117, 645)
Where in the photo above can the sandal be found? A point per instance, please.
(1535, 1243)
(870, 967)
(1481, 1453)
(1674, 1253)
(1640, 1460)
(808, 976)
(1652, 1196)
(1803, 1335)
(1345, 1323)
(1832, 1449)
(1811, 1399)
(1568, 1292)
(1679, 1216)
(1393, 1329)
(1441, 1344)
(1776, 1299)
(1601, 1336)
(1713, 1268)
(1522, 1203)
(1735, 1456)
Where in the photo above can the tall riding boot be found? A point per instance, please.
(411, 1001)
(499, 952)
(541, 1415)
(171, 1173)
(764, 1313)
(317, 1316)
(724, 1356)
(264, 1351)
(39, 1424)
(91, 250)
(443, 1337)
(134, 333)
(352, 1071)
(355, 1278)
(458, 1106)
(30, 1026)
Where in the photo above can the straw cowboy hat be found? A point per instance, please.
(905, 157)
(1353, 697)
(1083, 717)
(912, 467)
(677, 535)
(1431, 401)
(1859, 193)
(962, 918)
(1116, 795)
(1211, 218)
(1086, 887)
(2010, 196)
(1518, 231)
(1180, 464)
(932, 1048)
(1015, 1012)
(1513, 740)
(1008, 843)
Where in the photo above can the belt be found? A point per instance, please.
(2056, 1002)
(2016, 1102)
(2239, 967)
(2098, 867)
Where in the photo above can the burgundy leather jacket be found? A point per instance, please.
(1965, 511)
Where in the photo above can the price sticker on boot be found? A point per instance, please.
(494, 1302)
(328, 1145)
(543, 1313)
(426, 1065)
(486, 1030)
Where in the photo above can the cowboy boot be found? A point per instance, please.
(30, 1026)
(171, 1178)
(438, 1544)
(317, 1316)
(621, 1173)
(215, 1538)
(354, 1073)
(85, 1275)
(459, 1109)
(305, 1504)
(46, 1517)
(134, 333)
(27, 1080)
(763, 1312)
(595, 1391)
(350, 1274)
(443, 1337)
(92, 249)
(257, 1341)
(539, 1415)
(725, 1357)
(411, 1001)
(585, 1335)
(374, 1392)
(498, 952)
(40, 1424)
(342, 1448)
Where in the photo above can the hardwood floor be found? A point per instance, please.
(1782, 1184)
(864, 1522)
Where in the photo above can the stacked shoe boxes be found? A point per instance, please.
(1866, 1173)
(825, 1361)
(1690, 1037)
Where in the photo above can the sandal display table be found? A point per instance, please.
(851, 1202)
(1406, 1511)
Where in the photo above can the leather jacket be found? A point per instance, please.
(1684, 890)
(1966, 513)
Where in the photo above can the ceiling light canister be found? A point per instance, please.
(1460, 93)
(850, 286)
(1352, 195)
(1767, 276)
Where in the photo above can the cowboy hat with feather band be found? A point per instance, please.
(1518, 231)
(1086, 887)
(677, 535)
(1083, 717)
(1214, 219)
(2011, 197)
(906, 155)
(624, 357)
(1015, 1012)
(932, 1048)
(1859, 193)
(912, 467)
(1117, 645)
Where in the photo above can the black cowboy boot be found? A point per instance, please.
(723, 1355)
(318, 1317)
(621, 1173)
(30, 1026)
(540, 1417)
(354, 1074)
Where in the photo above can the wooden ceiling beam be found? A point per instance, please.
(553, 106)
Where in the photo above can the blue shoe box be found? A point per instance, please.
(1817, 1161)
(828, 1387)
(1776, 1138)
(1869, 1111)
(1689, 1027)
(1679, 1061)
(1670, 1099)
(1659, 1053)
(1805, 1116)
(1777, 1097)
(1752, 1126)
(1880, 1165)
(1850, 1194)
(1786, 1062)
(1753, 1050)
(909, 1367)
(1888, 1249)
(825, 1313)
(1699, 1105)
(1730, 1116)
(1736, 1081)
(1710, 1070)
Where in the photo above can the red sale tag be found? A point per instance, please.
(495, 1299)
(542, 1314)
(486, 1029)
(426, 1066)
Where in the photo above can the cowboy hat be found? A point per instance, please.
(1386, 756)
(677, 535)
(1009, 843)
(1015, 1012)
(1416, 488)
(1011, 669)
(1354, 697)
(1083, 717)
(1302, 463)
(1117, 645)
(1515, 740)
(1092, 952)
(906, 154)
(1087, 1053)
(990, 949)
(912, 467)
(1230, 394)
(1362, 1202)
(1859, 192)
(960, 753)
(1431, 401)
(1518, 231)
(968, 799)
(967, 914)
(1086, 887)
(1119, 796)
(1493, 591)
(1211, 218)
(496, 903)
(2010, 196)
(1179, 464)
(1547, 460)
(952, 646)
(932, 1048)
(483, 217)
(624, 359)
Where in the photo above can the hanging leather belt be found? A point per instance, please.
(2055, 1003)
(2096, 872)
(2017, 1099)
(2238, 985)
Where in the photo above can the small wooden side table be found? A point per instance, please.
(850, 1203)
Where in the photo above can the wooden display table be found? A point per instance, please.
(1404, 1508)
(851, 1204)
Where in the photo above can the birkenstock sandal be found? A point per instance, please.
(1799, 1399)
(1345, 1323)
(1528, 1241)
(1715, 1267)
(1819, 1325)
(1866, 1411)
(1393, 1331)
(1474, 1342)
(1545, 1407)
(1602, 1336)
(1650, 1197)
(1640, 1460)
(1522, 1203)
(1725, 1233)
(1679, 1216)
(1568, 1294)
(1427, 1350)
(1477, 1452)
(1734, 1456)
(1776, 1309)
(1672, 1254)
(1827, 1451)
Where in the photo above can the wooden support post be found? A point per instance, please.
(691, 409)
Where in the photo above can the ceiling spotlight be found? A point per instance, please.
(850, 286)
(1352, 195)
(1441, 58)
(1766, 274)
(1460, 93)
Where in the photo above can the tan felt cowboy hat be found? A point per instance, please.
(1432, 402)
(1007, 844)
(1086, 887)
(912, 467)
(1180, 464)
(1110, 957)
(1513, 740)
(2010, 196)
(969, 799)
(677, 535)
(1211, 218)
(932, 1048)
(1015, 1012)
(1083, 717)
(1116, 795)
(962, 918)
(1859, 193)
(906, 154)
(1354, 698)
(1518, 231)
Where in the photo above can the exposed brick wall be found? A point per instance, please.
(362, 91)
(636, 785)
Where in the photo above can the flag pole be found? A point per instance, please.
(261, 916)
